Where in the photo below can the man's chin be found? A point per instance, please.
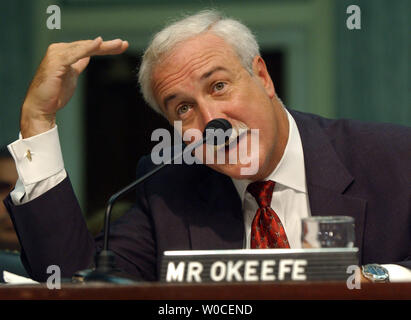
(236, 171)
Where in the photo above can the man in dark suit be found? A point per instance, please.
(198, 69)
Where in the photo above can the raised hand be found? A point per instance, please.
(56, 79)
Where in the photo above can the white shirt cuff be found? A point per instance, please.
(398, 273)
(39, 164)
(38, 157)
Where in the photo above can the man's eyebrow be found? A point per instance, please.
(203, 77)
(209, 73)
(168, 98)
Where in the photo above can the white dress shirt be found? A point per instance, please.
(290, 197)
(40, 167)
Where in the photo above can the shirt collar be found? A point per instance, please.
(290, 171)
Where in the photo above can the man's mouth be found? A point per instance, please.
(239, 130)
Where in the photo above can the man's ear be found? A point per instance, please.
(261, 72)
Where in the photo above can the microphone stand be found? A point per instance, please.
(106, 270)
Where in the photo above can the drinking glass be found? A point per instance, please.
(327, 232)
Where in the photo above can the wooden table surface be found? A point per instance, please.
(221, 291)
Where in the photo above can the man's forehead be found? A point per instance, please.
(193, 58)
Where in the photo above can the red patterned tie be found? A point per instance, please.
(267, 230)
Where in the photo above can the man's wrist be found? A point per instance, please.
(33, 123)
(375, 273)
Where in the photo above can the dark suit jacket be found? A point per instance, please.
(356, 169)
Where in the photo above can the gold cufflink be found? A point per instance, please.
(28, 155)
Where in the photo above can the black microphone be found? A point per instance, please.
(106, 270)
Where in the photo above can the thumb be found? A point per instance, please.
(80, 65)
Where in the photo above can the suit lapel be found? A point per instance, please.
(327, 178)
(215, 220)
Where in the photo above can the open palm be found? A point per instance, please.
(56, 80)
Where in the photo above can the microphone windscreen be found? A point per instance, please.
(224, 128)
(218, 124)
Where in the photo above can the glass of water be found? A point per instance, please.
(327, 232)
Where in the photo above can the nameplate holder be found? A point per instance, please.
(257, 265)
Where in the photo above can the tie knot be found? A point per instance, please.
(262, 191)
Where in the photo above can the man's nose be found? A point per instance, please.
(208, 112)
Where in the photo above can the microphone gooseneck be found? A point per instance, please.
(105, 264)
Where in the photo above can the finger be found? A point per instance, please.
(74, 51)
(80, 65)
(106, 48)
(111, 47)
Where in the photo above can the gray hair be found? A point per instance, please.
(231, 31)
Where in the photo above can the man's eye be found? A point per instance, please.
(219, 86)
(183, 109)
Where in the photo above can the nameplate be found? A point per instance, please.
(257, 265)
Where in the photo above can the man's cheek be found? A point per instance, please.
(249, 153)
